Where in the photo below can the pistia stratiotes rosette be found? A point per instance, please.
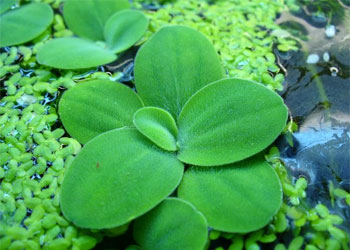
(104, 28)
(137, 146)
(24, 23)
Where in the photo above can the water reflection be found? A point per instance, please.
(318, 96)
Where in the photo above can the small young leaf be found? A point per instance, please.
(228, 121)
(171, 66)
(237, 198)
(118, 176)
(94, 107)
(73, 53)
(174, 224)
(158, 126)
(87, 19)
(6, 5)
(23, 24)
(124, 28)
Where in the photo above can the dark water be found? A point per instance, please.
(318, 96)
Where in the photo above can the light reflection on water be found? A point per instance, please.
(319, 100)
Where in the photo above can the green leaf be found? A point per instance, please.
(73, 53)
(87, 19)
(174, 224)
(158, 126)
(6, 5)
(171, 66)
(228, 121)
(94, 107)
(23, 24)
(125, 28)
(118, 176)
(239, 198)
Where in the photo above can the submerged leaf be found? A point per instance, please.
(237, 198)
(87, 18)
(228, 121)
(73, 53)
(118, 176)
(23, 24)
(97, 106)
(124, 28)
(158, 126)
(174, 224)
(171, 66)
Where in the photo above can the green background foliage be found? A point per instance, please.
(88, 19)
(22, 24)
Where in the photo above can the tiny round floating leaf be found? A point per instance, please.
(94, 107)
(23, 24)
(237, 198)
(174, 224)
(157, 125)
(228, 121)
(117, 177)
(73, 53)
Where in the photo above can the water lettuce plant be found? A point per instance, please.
(187, 128)
(22, 24)
(104, 29)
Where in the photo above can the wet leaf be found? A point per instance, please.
(73, 53)
(171, 67)
(6, 5)
(240, 197)
(118, 176)
(124, 28)
(174, 224)
(23, 24)
(228, 121)
(94, 107)
(87, 19)
(158, 126)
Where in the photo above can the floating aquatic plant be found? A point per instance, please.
(185, 113)
(104, 29)
(22, 24)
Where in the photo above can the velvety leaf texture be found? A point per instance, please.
(239, 198)
(174, 224)
(158, 126)
(94, 107)
(228, 121)
(87, 18)
(124, 28)
(175, 63)
(118, 176)
(23, 24)
(6, 5)
(73, 53)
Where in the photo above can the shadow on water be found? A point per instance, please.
(317, 93)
